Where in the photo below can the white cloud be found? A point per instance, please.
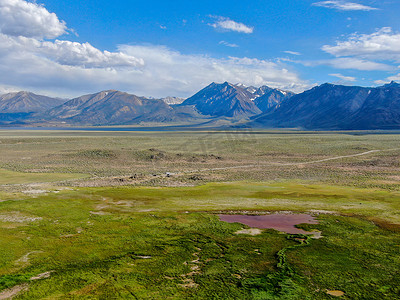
(65, 53)
(357, 64)
(165, 72)
(22, 18)
(292, 52)
(227, 24)
(380, 82)
(344, 5)
(389, 79)
(383, 44)
(367, 52)
(348, 63)
(343, 77)
(228, 44)
(7, 89)
(65, 68)
(168, 71)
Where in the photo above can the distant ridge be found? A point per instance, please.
(16, 108)
(337, 107)
(26, 102)
(225, 105)
(111, 107)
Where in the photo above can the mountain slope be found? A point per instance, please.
(26, 102)
(381, 109)
(224, 100)
(112, 107)
(18, 108)
(331, 106)
(270, 98)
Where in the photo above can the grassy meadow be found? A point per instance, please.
(134, 215)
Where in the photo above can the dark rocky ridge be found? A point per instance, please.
(337, 107)
(223, 100)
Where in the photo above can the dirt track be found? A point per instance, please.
(293, 164)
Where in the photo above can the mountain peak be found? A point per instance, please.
(327, 84)
(392, 84)
(226, 83)
(223, 100)
(109, 92)
(241, 85)
(26, 102)
(24, 93)
(19, 94)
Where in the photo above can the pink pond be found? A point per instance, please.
(281, 222)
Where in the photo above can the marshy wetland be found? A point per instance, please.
(136, 215)
(282, 222)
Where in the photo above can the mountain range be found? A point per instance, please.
(235, 101)
(110, 108)
(324, 107)
(337, 107)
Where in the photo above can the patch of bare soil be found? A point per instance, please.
(188, 281)
(24, 260)
(14, 291)
(316, 234)
(321, 211)
(250, 231)
(335, 293)
(35, 192)
(42, 275)
(17, 217)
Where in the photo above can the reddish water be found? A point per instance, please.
(281, 222)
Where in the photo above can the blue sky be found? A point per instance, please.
(160, 48)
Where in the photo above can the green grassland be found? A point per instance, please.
(130, 232)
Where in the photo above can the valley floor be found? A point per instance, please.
(134, 215)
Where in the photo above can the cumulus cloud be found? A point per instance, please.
(165, 72)
(344, 5)
(227, 24)
(383, 44)
(22, 18)
(377, 51)
(32, 59)
(66, 53)
(185, 74)
(343, 77)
